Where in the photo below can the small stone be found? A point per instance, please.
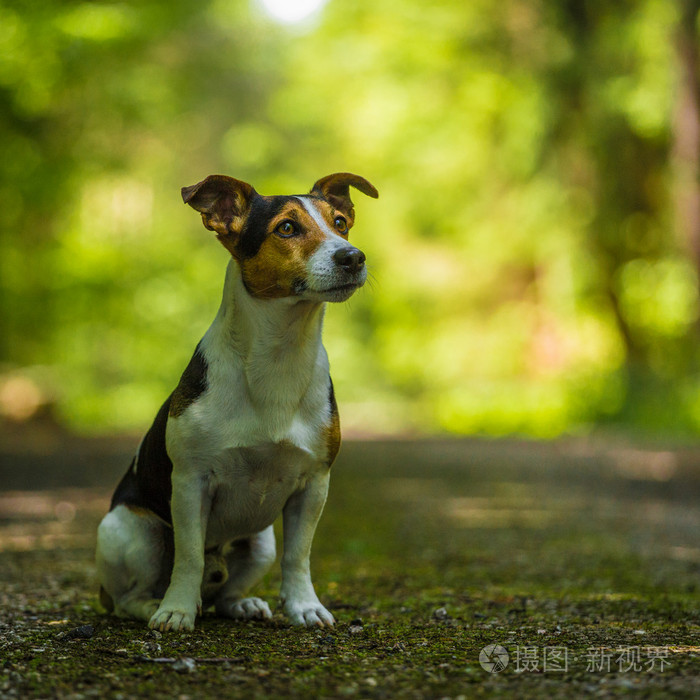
(355, 629)
(151, 648)
(440, 614)
(82, 632)
(155, 634)
(185, 665)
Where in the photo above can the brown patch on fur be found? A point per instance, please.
(215, 575)
(281, 262)
(335, 189)
(229, 242)
(333, 429)
(223, 202)
(106, 600)
(146, 513)
(329, 212)
(140, 511)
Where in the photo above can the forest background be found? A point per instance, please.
(535, 251)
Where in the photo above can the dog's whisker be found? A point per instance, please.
(372, 279)
(263, 289)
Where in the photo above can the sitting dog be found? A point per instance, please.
(251, 429)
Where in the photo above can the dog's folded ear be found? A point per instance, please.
(223, 202)
(336, 189)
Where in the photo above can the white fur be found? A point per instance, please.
(250, 447)
(315, 214)
(128, 547)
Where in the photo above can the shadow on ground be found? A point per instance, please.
(581, 560)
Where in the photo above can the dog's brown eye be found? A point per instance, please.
(286, 229)
(341, 225)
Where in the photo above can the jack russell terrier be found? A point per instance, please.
(251, 429)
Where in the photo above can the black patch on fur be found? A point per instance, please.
(255, 229)
(193, 383)
(147, 484)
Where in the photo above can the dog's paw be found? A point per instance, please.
(308, 614)
(244, 609)
(167, 620)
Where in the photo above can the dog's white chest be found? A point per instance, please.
(249, 487)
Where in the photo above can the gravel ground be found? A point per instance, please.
(581, 560)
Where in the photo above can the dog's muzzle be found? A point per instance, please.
(335, 274)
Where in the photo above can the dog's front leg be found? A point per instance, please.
(300, 517)
(190, 505)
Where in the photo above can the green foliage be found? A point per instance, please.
(527, 274)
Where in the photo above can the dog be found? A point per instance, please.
(252, 428)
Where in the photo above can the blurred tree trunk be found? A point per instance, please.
(686, 131)
(620, 160)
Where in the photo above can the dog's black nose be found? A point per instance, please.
(352, 259)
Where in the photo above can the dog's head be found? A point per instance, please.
(287, 245)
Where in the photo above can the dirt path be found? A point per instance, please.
(581, 561)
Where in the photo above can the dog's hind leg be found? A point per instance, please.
(134, 560)
(247, 561)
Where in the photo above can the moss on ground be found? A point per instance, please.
(426, 554)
